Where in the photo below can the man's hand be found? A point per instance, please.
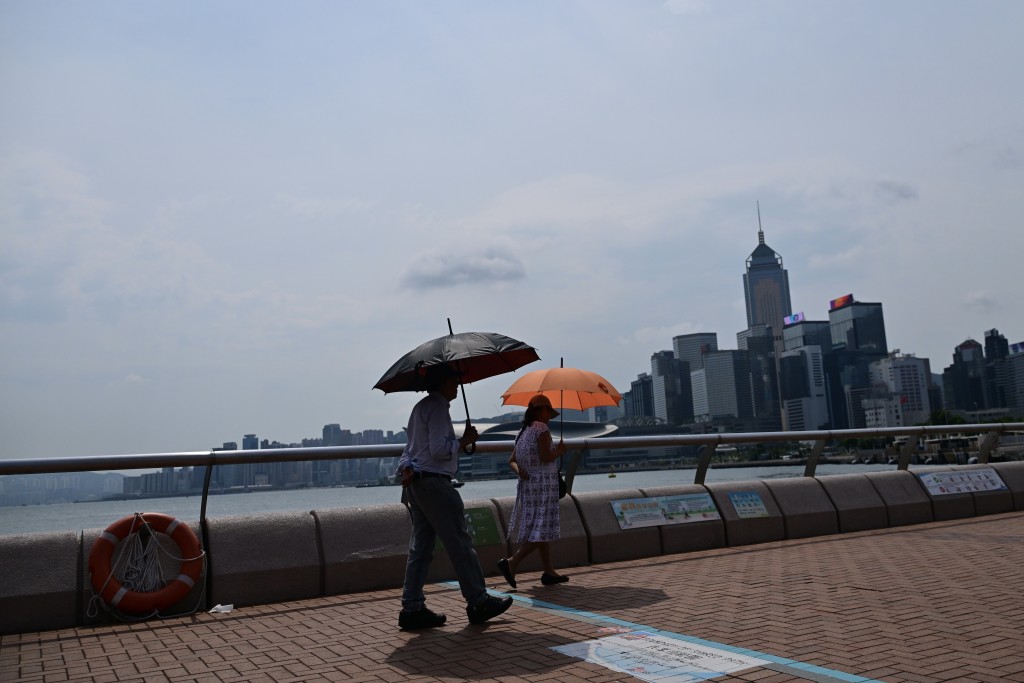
(469, 436)
(407, 476)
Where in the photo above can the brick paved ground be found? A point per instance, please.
(935, 602)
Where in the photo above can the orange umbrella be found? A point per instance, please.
(566, 387)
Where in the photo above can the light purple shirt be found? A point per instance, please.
(431, 445)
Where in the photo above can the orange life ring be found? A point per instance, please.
(135, 602)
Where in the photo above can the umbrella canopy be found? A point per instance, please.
(565, 387)
(477, 355)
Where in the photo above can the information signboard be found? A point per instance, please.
(961, 481)
(633, 513)
(748, 504)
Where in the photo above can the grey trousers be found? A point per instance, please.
(437, 511)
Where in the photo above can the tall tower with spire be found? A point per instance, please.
(766, 287)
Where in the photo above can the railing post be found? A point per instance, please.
(990, 441)
(570, 468)
(908, 448)
(704, 454)
(812, 459)
(204, 529)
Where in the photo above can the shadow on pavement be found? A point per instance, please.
(596, 599)
(478, 652)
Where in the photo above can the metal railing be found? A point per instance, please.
(706, 443)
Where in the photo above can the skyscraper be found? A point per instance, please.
(721, 389)
(807, 333)
(762, 377)
(857, 326)
(997, 349)
(766, 288)
(691, 348)
(670, 378)
(802, 383)
(963, 382)
(857, 330)
(902, 384)
(802, 378)
(640, 402)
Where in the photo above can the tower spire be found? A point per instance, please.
(760, 232)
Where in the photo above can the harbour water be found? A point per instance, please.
(98, 515)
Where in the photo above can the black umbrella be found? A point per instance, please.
(477, 355)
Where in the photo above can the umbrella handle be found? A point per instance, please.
(469, 449)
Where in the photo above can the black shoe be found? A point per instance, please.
(552, 579)
(488, 609)
(422, 618)
(506, 571)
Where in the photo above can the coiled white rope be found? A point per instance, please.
(137, 567)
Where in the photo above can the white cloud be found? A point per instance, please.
(472, 267)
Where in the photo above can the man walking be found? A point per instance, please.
(428, 463)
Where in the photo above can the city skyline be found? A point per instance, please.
(216, 222)
(655, 410)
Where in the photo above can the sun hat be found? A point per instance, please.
(540, 400)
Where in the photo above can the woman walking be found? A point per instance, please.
(534, 522)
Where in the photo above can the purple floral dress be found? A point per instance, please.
(535, 513)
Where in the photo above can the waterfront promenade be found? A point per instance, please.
(932, 602)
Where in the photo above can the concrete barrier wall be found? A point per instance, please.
(806, 509)
(40, 574)
(991, 502)
(608, 541)
(948, 506)
(687, 536)
(857, 503)
(906, 501)
(750, 512)
(1012, 474)
(365, 548)
(259, 559)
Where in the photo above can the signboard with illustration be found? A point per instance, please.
(748, 504)
(961, 481)
(482, 527)
(634, 513)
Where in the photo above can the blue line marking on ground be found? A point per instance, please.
(601, 618)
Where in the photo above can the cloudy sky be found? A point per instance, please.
(232, 217)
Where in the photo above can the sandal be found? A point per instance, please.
(552, 579)
(506, 571)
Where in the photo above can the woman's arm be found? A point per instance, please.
(547, 453)
(514, 465)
